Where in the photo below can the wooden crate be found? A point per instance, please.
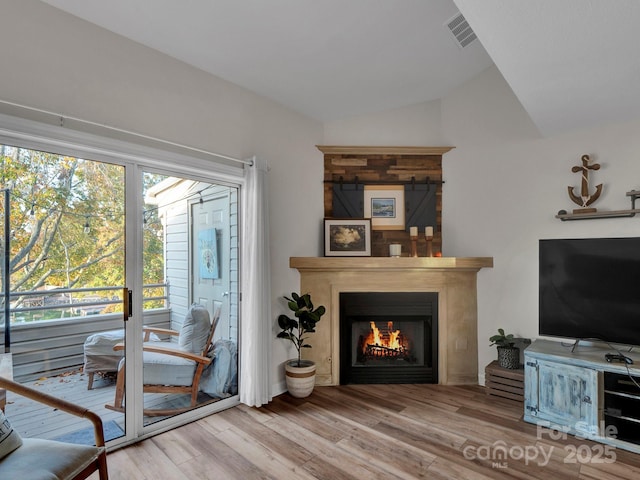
(504, 382)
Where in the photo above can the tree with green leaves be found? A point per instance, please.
(66, 220)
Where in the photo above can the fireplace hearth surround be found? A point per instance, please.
(453, 279)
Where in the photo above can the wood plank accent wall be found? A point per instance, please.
(386, 164)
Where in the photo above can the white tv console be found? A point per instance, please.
(580, 393)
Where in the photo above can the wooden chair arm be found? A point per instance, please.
(177, 353)
(158, 331)
(147, 333)
(59, 404)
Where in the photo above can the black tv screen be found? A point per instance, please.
(590, 289)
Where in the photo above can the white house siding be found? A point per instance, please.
(175, 219)
(234, 265)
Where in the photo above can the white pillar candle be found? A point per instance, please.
(413, 231)
(428, 231)
(395, 250)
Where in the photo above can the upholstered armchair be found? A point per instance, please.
(38, 459)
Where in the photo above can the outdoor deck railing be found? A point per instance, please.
(48, 346)
(76, 301)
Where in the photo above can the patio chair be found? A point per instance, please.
(170, 367)
(35, 458)
(99, 355)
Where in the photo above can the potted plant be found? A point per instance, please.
(508, 353)
(300, 374)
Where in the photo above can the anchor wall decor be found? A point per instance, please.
(585, 199)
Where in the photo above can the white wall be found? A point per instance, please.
(399, 126)
(504, 185)
(54, 61)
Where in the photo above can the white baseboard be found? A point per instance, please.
(279, 388)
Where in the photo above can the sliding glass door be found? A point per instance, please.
(122, 290)
(190, 245)
(63, 283)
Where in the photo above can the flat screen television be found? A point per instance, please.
(590, 289)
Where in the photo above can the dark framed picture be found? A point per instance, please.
(347, 237)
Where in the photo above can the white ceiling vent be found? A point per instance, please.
(460, 29)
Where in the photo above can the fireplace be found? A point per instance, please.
(388, 337)
(453, 279)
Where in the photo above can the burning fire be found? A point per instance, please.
(391, 340)
(389, 343)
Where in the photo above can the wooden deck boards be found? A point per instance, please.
(35, 420)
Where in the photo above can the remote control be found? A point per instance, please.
(618, 357)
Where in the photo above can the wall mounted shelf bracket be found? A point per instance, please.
(634, 194)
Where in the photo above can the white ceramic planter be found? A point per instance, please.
(300, 380)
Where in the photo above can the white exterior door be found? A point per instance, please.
(210, 256)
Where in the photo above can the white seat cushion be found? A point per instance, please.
(39, 459)
(163, 369)
(99, 355)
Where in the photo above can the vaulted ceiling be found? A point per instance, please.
(571, 63)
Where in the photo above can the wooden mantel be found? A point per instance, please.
(453, 278)
(388, 263)
(381, 150)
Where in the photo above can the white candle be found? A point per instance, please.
(428, 231)
(413, 231)
(395, 250)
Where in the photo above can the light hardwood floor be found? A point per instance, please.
(369, 432)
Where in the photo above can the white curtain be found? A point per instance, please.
(256, 331)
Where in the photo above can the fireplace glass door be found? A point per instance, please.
(388, 337)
